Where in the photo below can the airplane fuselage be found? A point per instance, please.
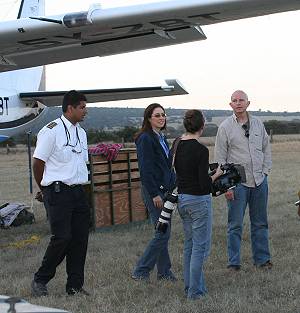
(17, 116)
(4, 105)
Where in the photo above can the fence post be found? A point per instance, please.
(271, 135)
(29, 160)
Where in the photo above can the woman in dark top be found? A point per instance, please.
(156, 178)
(194, 201)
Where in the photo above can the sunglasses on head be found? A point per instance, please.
(158, 115)
(246, 129)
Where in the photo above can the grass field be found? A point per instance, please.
(112, 255)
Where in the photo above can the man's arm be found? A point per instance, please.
(45, 146)
(267, 164)
(38, 170)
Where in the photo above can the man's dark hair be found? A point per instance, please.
(72, 98)
(193, 121)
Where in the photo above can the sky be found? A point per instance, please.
(258, 55)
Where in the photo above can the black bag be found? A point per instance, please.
(24, 217)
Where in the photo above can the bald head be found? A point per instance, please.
(239, 103)
(239, 93)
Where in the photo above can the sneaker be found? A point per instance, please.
(75, 291)
(38, 289)
(234, 268)
(195, 298)
(171, 278)
(140, 278)
(267, 265)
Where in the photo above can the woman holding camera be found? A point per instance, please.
(157, 178)
(194, 201)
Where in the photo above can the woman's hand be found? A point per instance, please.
(229, 195)
(217, 174)
(158, 202)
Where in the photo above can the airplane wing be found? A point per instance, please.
(22, 306)
(54, 98)
(34, 41)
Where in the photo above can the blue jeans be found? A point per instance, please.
(196, 214)
(257, 199)
(156, 252)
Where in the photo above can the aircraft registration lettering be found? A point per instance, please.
(171, 23)
(4, 105)
(139, 29)
(132, 28)
(39, 42)
(167, 24)
(206, 16)
(52, 41)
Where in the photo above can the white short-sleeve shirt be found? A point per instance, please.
(63, 148)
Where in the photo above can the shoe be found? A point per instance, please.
(197, 297)
(38, 289)
(140, 278)
(267, 265)
(234, 268)
(171, 278)
(75, 291)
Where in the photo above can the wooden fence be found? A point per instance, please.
(114, 191)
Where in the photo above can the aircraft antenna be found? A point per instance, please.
(20, 10)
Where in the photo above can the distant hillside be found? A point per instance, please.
(114, 118)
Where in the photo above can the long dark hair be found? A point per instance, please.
(146, 126)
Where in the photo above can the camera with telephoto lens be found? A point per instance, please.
(170, 205)
(233, 174)
(298, 202)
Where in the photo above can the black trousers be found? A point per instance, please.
(69, 218)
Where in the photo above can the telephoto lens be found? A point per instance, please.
(298, 202)
(169, 206)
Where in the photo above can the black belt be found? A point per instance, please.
(58, 185)
(74, 185)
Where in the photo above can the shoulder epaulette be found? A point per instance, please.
(51, 125)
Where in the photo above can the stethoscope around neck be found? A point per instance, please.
(68, 136)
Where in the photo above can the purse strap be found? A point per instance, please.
(174, 149)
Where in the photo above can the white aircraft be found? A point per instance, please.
(13, 304)
(34, 40)
(21, 104)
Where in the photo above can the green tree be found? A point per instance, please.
(127, 134)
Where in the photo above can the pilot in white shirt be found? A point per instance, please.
(63, 148)
(59, 167)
